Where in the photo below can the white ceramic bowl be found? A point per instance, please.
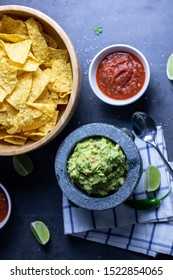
(100, 56)
(3, 223)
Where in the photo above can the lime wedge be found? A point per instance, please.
(169, 67)
(40, 231)
(22, 164)
(152, 178)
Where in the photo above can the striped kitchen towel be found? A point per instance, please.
(148, 231)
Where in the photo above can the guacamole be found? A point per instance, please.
(98, 166)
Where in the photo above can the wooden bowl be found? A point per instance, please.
(53, 29)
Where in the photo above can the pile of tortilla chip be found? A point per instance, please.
(35, 79)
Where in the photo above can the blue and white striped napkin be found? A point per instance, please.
(148, 232)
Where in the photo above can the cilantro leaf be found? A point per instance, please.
(98, 30)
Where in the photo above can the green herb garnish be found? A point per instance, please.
(98, 30)
(89, 165)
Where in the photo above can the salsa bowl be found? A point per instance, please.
(119, 74)
(5, 206)
(117, 136)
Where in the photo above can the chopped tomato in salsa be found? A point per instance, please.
(120, 75)
(3, 205)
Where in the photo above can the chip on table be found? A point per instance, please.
(35, 80)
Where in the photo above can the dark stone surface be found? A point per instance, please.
(146, 25)
(133, 158)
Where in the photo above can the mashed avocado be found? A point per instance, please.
(98, 166)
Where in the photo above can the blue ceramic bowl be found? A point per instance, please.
(77, 196)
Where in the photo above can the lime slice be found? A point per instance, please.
(152, 178)
(40, 231)
(169, 67)
(22, 164)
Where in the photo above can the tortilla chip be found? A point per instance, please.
(12, 26)
(7, 115)
(59, 99)
(46, 97)
(2, 51)
(47, 109)
(31, 64)
(64, 95)
(49, 125)
(34, 135)
(21, 91)
(2, 107)
(15, 139)
(18, 52)
(8, 78)
(28, 118)
(3, 119)
(63, 100)
(61, 68)
(55, 54)
(40, 81)
(14, 38)
(39, 45)
(50, 41)
(60, 86)
(61, 77)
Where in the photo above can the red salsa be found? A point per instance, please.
(3, 205)
(120, 75)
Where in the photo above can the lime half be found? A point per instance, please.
(169, 68)
(152, 178)
(22, 164)
(40, 231)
